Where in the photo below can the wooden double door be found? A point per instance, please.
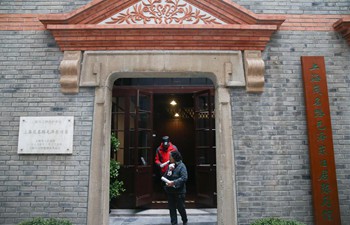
(132, 122)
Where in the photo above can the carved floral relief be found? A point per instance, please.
(162, 12)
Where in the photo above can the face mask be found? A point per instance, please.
(166, 144)
(171, 168)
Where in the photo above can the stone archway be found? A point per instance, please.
(101, 69)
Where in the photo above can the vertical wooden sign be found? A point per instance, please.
(323, 174)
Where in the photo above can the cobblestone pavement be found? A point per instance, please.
(161, 217)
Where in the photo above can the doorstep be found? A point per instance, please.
(158, 212)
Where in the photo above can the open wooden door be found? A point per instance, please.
(132, 122)
(143, 137)
(205, 149)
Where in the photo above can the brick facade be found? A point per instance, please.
(270, 134)
(40, 185)
(269, 129)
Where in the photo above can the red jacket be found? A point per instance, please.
(163, 155)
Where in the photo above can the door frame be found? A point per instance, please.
(101, 69)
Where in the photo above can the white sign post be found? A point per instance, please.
(46, 135)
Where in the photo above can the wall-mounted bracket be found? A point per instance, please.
(254, 69)
(70, 72)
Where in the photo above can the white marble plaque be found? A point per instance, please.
(46, 135)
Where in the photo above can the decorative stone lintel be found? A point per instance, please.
(70, 72)
(254, 69)
(92, 74)
(233, 76)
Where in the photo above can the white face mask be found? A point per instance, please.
(171, 168)
(165, 145)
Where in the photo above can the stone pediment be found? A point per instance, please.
(162, 12)
(161, 25)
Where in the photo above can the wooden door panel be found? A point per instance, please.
(136, 129)
(205, 149)
(143, 137)
(143, 189)
(206, 197)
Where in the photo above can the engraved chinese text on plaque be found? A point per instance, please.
(322, 159)
(46, 135)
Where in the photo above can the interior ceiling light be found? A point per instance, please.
(173, 103)
(176, 115)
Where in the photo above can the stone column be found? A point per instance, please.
(98, 203)
(226, 196)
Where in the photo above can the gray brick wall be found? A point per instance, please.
(40, 6)
(40, 185)
(270, 139)
(257, 6)
(297, 6)
(270, 133)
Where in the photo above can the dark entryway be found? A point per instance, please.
(180, 130)
(141, 115)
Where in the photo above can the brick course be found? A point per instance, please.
(257, 6)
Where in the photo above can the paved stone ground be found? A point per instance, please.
(161, 217)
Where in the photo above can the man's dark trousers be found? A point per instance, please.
(177, 201)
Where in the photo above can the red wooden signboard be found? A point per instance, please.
(323, 174)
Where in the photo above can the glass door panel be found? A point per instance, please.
(144, 148)
(118, 127)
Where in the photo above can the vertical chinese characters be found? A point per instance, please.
(319, 116)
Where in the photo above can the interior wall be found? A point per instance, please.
(180, 130)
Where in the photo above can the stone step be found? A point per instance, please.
(158, 212)
(161, 217)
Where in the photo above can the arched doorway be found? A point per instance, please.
(102, 69)
(141, 115)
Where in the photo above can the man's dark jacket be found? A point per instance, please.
(179, 176)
